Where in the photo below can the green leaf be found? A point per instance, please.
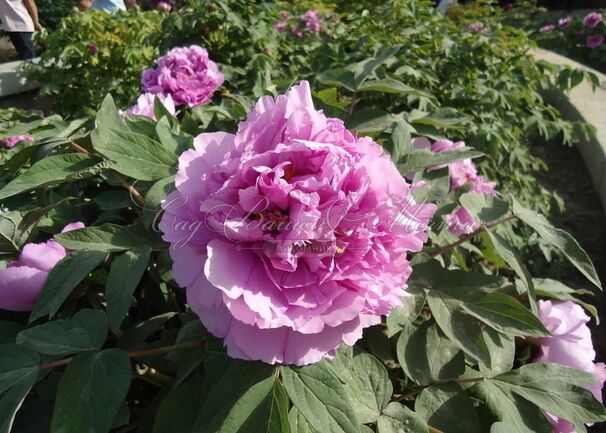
(556, 389)
(16, 362)
(135, 155)
(153, 199)
(238, 393)
(524, 416)
(459, 327)
(442, 118)
(106, 238)
(54, 170)
(124, 276)
(399, 317)
(91, 392)
(427, 356)
(483, 207)
(178, 411)
(87, 330)
(401, 140)
(554, 289)
(108, 115)
(505, 314)
(321, 397)
(12, 399)
(513, 259)
(64, 277)
(369, 121)
(263, 408)
(397, 418)
(369, 387)
(559, 239)
(298, 423)
(502, 350)
(448, 408)
(418, 160)
(386, 85)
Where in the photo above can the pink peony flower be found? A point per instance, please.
(477, 28)
(312, 21)
(145, 105)
(284, 15)
(594, 41)
(460, 222)
(10, 142)
(564, 22)
(292, 235)
(164, 6)
(462, 173)
(570, 345)
(186, 74)
(280, 26)
(547, 28)
(92, 48)
(296, 32)
(22, 280)
(592, 19)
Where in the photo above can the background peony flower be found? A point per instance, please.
(462, 173)
(312, 21)
(547, 28)
(460, 222)
(10, 142)
(592, 19)
(594, 41)
(145, 105)
(280, 26)
(296, 32)
(164, 6)
(477, 28)
(570, 345)
(186, 74)
(564, 22)
(93, 48)
(22, 280)
(292, 235)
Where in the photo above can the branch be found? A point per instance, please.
(414, 391)
(465, 238)
(132, 353)
(121, 178)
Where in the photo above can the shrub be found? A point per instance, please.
(51, 12)
(93, 53)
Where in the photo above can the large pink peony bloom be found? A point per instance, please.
(570, 345)
(22, 280)
(10, 142)
(145, 105)
(292, 235)
(186, 74)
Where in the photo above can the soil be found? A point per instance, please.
(583, 218)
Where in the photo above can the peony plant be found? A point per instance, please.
(277, 257)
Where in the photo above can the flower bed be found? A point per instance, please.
(291, 235)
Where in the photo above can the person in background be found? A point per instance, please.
(109, 6)
(20, 20)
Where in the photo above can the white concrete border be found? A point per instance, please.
(12, 79)
(583, 103)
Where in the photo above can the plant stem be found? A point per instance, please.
(465, 238)
(353, 104)
(133, 353)
(121, 178)
(433, 429)
(414, 391)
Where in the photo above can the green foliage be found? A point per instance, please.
(90, 54)
(111, 342)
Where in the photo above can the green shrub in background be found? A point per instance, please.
(51, 12)
(93, 53)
